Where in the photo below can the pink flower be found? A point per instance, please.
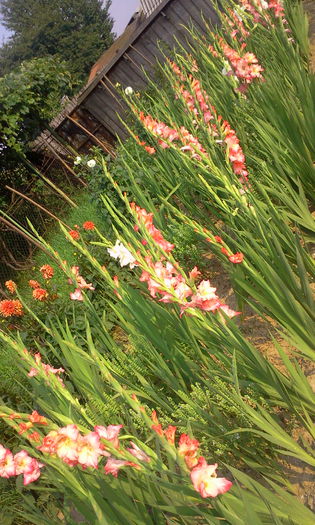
(204, 479)
(188, 448)
(170, 434)
(66, 445)
(109, 433)
(89, 450)
(138, 453)
(76, 295)
(7, 467)
(113, 465)
(28, 466)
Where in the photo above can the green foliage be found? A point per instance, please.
(29, 97)
(77, 31)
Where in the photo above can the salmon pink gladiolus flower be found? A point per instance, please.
(35, 417)
(236, 258)
(170, 434)
(76, 295)
(205, 480)
(138, 453)
(109, 433)
(113, 465)
(89, 450)
(28, 466)
(188, 448)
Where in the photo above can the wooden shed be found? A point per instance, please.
(91, 118)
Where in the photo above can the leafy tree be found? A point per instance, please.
(78, 31)
(29, 97)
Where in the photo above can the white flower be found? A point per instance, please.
(129, 91)
(119, 251)
(77, 161)
(91, 163)
(238, 16)
(264, 4)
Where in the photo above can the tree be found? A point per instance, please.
(78, 31)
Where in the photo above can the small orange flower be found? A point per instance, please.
(10, 285)
(88, 225)
(40, 294)
(47, 271)
(34, 284)
(74, 234)
(35, 436)
(236, 258)
(35, 417)
(10, 308)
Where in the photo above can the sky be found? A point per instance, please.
(121, 11)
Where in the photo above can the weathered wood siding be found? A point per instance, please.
(137, 59)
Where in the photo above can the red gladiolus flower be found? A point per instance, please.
(88, 225)
(35, 417)
(34, 284)
(10, 308)
(74, 234)
(236, 258)
(35, 436)
(170, 434)
(40, 294)
(47, 271)
(158, 429)
(10, 285)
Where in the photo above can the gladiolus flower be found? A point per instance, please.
(236, 258)
(170, 434)
(47, 271)
(34, 284)
(11, 307)
(10, 285)
(88, 225)
(204, 480)
(119, 251)
(113, 465)
(35, 436)
(35, 417)
(7, 467)
(138, 453)
(89, 450)
(158, 429)
(188, 448)
(23, 427)
(76, 295)
(74, 234)
(109, 433)
(40, 294)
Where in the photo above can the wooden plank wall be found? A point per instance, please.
(103, 102)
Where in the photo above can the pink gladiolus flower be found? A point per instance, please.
(170, 434)
(89, 450)
(203, 477)
(66, 445)
(188, 448)
(28, 466)
(7, 467)
(138, 453)
(113, 465)
(109, 433)
(76, 295)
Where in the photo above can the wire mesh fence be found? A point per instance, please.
(16, 247)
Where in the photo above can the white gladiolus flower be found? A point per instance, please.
(264, 4)
(77, 161)
(119, 251)
(129, 91)
(91, 163)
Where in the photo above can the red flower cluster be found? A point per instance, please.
(88, 225)
(20, 463)
(40, 294)
(11, 308)
(202, 475)
(146, 219)
(74, 234)
(47, 271)
(10, 285)
(34, 284)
